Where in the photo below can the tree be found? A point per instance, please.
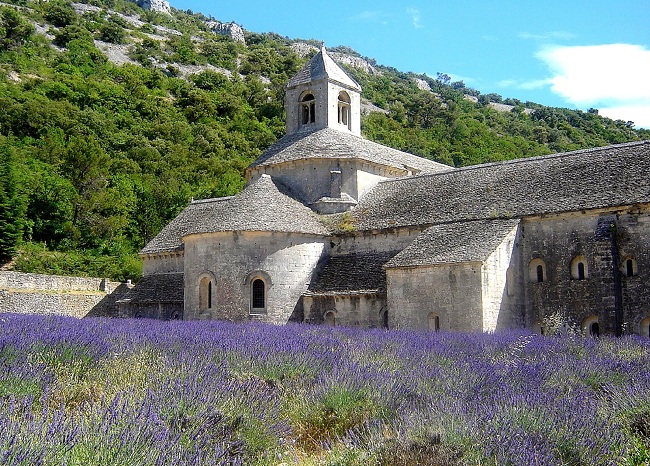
(12, 204)
(113, 33)
(14, 30)
(60, 14)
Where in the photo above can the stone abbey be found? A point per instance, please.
(332, 228)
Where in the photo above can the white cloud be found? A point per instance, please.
(415, 17)
(526, 85)
(612, 76)
(551, 35)
(639, 114)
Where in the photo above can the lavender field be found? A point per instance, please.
(138, 392)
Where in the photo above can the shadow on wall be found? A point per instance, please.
(107, 307)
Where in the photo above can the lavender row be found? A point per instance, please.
(120, 392)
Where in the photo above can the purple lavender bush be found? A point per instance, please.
(139, 392)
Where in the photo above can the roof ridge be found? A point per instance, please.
(521, 160)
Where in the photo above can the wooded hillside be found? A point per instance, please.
(112, 118)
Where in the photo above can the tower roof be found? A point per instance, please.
(321, 67)
(328, 143)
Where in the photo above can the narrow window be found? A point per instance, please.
(579, 270)
(629, 268)
(259, 294)
(537, 271)
(591, 326)
(308, 106)
(434, 322)
(645, 328)
(594, 330)
(385, 319)
(330, 318)
(344, 109)
(205, 294)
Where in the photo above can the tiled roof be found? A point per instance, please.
(454, 243)
(352, 272)
(261, 206)
(330, 143)
(321, 66)
(587, 179)
(157, 288)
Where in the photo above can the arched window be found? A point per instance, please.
(644, 329)
(434, 322)
(537, 271)
(205, 293)
(258, 296)
(579, 268)
(384, 319)
(308, 109)
(344, 109)
(628, 267)
(330, 318)
(591, 327)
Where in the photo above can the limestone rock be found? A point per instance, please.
(155, 5)
(231, 29)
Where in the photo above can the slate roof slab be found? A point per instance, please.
(574, 181)
(328, 143)
(261, 206)
(352, 272)
(454, 243)
(321, 67)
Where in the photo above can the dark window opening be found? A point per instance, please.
(629, 267)
(259, 292)
(436, 323)
(594, 329)
(581, 271)
(540, 274)
(344, 109)
(308, 109)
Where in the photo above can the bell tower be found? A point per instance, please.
(322, 95)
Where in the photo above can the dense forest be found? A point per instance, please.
(98, 153)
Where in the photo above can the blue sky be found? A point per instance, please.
(574, 54)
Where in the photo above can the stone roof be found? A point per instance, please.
(261, 206)
(320, 67)
(454, 243)
(157, 288)
(328, 143)
(586, 179)
(352, 272)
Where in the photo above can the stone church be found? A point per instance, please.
(335, 229)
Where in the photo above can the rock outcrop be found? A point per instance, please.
(231, 29)
(154, 5)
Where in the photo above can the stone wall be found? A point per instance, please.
(502, 299)
(355, 309)
(231, 261)
(28, 293)
(451, 292)
(604, 241)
